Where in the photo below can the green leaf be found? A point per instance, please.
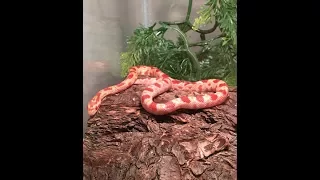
(218, 58)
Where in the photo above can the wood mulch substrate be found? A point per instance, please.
(123, 141)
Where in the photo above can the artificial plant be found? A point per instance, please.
(216, 59)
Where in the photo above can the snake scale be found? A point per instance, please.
(217, 91)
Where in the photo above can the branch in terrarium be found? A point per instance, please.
(193, 57)
(172, 23)
(189, 11)
(207, 31)
(183, 22)
(202, 37)
(206, 42)
(188, 23)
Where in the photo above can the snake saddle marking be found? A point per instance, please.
(161, 84)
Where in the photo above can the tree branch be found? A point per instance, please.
(204, 43)
(189, 11)
(202, 37)
(172, 23)
(208, 30)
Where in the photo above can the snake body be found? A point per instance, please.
(161, 84)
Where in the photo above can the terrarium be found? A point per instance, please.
(167, 105)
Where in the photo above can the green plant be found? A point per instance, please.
(216, 59)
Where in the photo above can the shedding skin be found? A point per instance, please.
(217, 91)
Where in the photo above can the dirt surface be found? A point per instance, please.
(123, 141)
